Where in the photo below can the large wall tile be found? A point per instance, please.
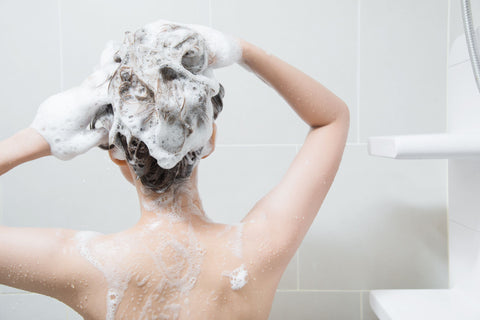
(30, 60)
(73, 315)
(87, 192)
(7, 289)
(382, 225)
(367, 312)
(463, 199)
(318, 37)
(463, 100)
(31, 306)
(88, 25)
(233, 178)
(316, 305)
(402, 71)
(253, 113)
(289, 279)
(464, 246)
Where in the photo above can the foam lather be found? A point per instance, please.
(161, 92)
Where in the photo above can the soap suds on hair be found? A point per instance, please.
(238, 277)
(161, 93)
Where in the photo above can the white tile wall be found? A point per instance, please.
(463, 177)
(316, 305)
(30, 61)
(251, 170)
(108, 20)
(383, 224)
(464, 246)
(31, 306)
(464, 184)
(402, 72)
(367, 312)
(72, 314)
(318, 37)
(70, 194)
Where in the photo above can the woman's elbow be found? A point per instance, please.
(343, 111)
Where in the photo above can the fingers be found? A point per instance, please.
(157, 25)
(95, 87)
(105, 70)
(90, 139)
(69, 146)
(101, 75)
(224, 48)
(108, 54)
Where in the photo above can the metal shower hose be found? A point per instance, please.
(471, 40)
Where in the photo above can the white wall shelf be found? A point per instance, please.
(426, 146)
(443, 304)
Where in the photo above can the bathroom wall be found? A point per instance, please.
(463, 174)
(383, 223)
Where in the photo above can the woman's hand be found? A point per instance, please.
(63, 119)
(224, 49)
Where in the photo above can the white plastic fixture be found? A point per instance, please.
(463, 115)
(462, 302)
(425, 146)
(446, 304)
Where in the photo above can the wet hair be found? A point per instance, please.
(146, 167)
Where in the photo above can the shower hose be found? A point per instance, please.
(471, 39)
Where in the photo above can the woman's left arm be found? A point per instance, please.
(26, 145)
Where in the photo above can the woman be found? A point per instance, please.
(174, 263)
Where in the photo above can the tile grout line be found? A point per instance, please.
(247, 145)
(463, 225)
(298, 270)
(324, 291)
(210, 13)
(449, 8)
(297, 149)
(356, 144)
(456, 63)
(448, 229)
(60, 42)
(446, 62)
(18, 293)
(298, 146)
(361, 305)
(66, 313)
(1, 204)
(358, 71)
(60, 45)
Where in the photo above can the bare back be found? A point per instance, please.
(172, 270)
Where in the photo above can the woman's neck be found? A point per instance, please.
(180, 203)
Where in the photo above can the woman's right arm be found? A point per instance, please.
(314, 103)
(26, 145)
(285, 214)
